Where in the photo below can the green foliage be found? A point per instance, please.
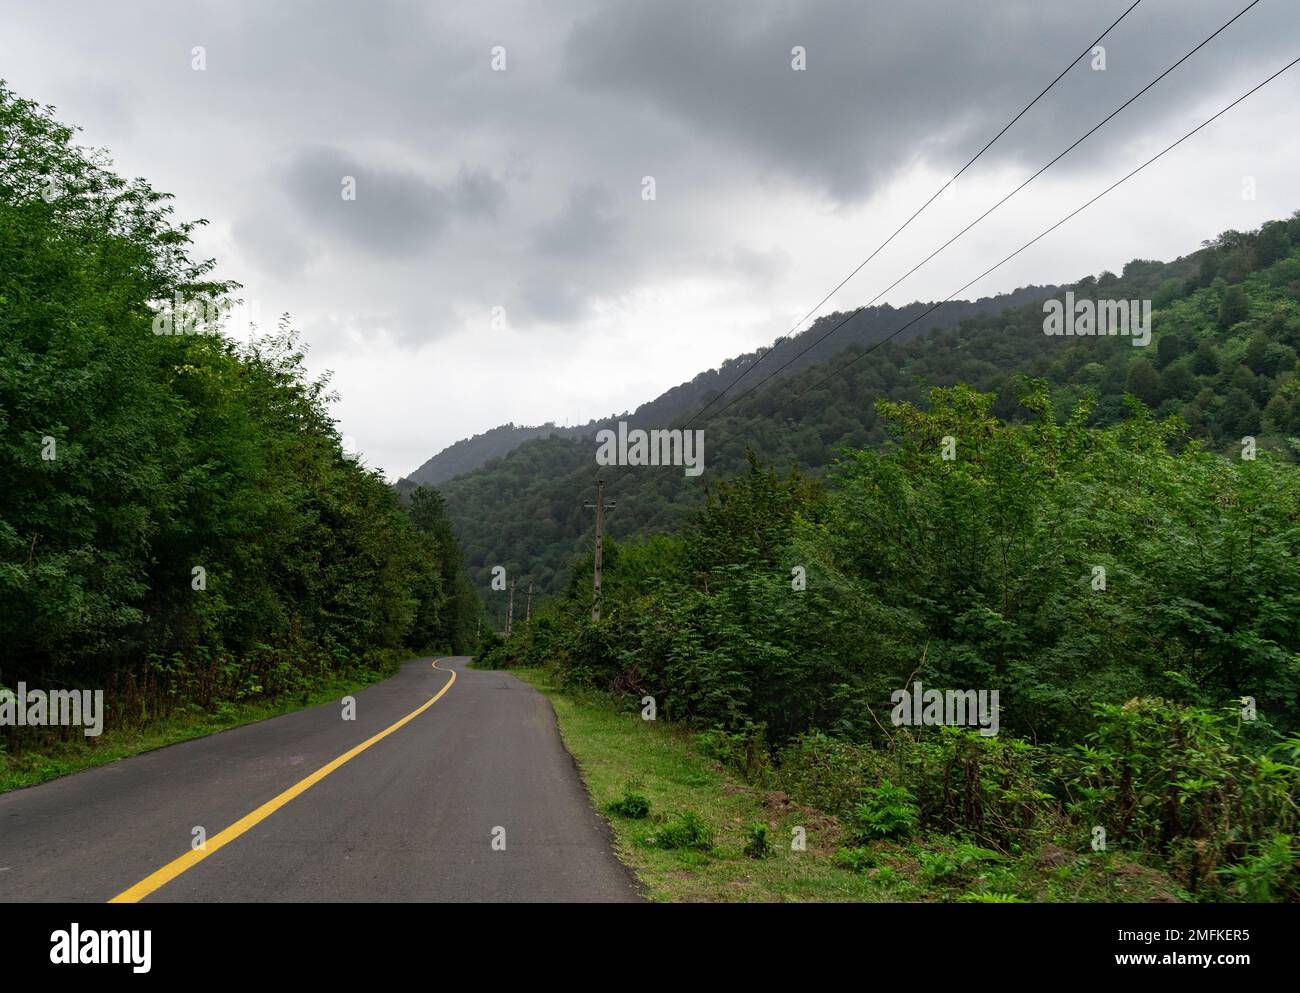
(633, 804)
(758, 842)
(954, 865)
(886, 811)
(855, 859)
(828, 773)
(687, 831)
(1269, 875)
(745, 750)
(129, 459)
(1178, 781)
(984, 571)
(991, 898)
(450, 612)
(525, 510)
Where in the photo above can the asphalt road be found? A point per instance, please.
(411, 817)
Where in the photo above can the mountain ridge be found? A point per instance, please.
(677, 402)
(1226, 322)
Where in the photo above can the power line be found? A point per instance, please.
(918, 212)
(977, 220)
(1039, 237)
(899, 230)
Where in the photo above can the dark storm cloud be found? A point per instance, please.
(887, 84)
(550, 294)
(476, 194)
(529, 179)
(588, 225)
(394, 213)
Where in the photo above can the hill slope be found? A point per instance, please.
(864, 328)
(1226, 329)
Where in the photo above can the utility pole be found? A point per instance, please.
(528, 618)
(600, 506)
(510, 617)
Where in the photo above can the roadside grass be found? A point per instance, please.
(77, 752)
(616, 750)
(624, 760)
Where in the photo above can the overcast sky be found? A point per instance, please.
(522, 188)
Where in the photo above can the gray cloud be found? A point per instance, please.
(550, 295)
(278, 249)
(886, 85)
(588, 225)
(476, 194)
(394, 213)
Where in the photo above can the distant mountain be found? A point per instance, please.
(681, 401)
(469, 454)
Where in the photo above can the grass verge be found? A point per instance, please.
(656, 770)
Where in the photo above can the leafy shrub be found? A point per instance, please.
(689, 830)
(758, 844)
(886, 811)
(991, 788)
(1271, 874)
(1175, 781)
(828, 773)
(950, 866)
(855, 859)
(744, 751)
(633, 805)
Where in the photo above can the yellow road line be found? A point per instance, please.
(192, 858)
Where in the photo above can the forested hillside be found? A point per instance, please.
(1226, 332)
(179, 524)
(1132, 598)
(862, 328)
(468, 454)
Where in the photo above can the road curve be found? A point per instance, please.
(413, 816)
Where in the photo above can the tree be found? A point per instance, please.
(1205, 360)
(1143, 382)
(177, 515)
(1239, 416)
(1168, 348)
(1234, 307)
(1178, 382)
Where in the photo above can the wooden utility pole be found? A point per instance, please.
(528, 617)
(600, 547)
(510, 616)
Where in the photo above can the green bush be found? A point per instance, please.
(855, 859)
(758, 843)
(1178, 781)
(886, 811)
(954, 865)
(1269, 875)
(632, 805)
(689, 830)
